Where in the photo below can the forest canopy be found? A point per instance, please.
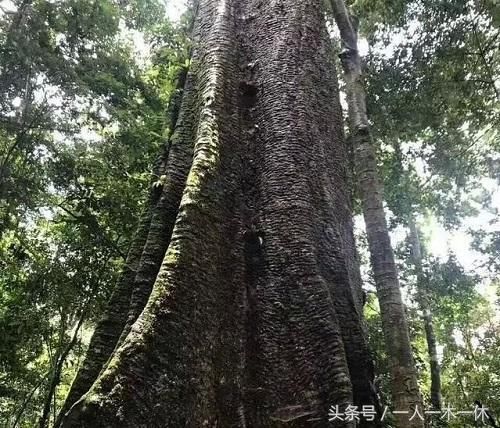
(99, 188)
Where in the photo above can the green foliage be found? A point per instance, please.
(433, 79)
(81, 123)
(82, 118)
(433, 98)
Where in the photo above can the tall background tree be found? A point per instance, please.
(404, 383)
(432, 71)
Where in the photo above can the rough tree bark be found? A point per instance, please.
(120, 312)
(405, 391)
(255, 317)
(424, 303)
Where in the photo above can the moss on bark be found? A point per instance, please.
(257, 299)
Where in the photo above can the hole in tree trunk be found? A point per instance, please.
(248, 93)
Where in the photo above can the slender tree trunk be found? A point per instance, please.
(26, 401)
(424, 303)
(57, 371)
(405, 391)
(255, 318)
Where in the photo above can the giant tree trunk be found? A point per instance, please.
(255, 318)
(405, 391)
(424, 303)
